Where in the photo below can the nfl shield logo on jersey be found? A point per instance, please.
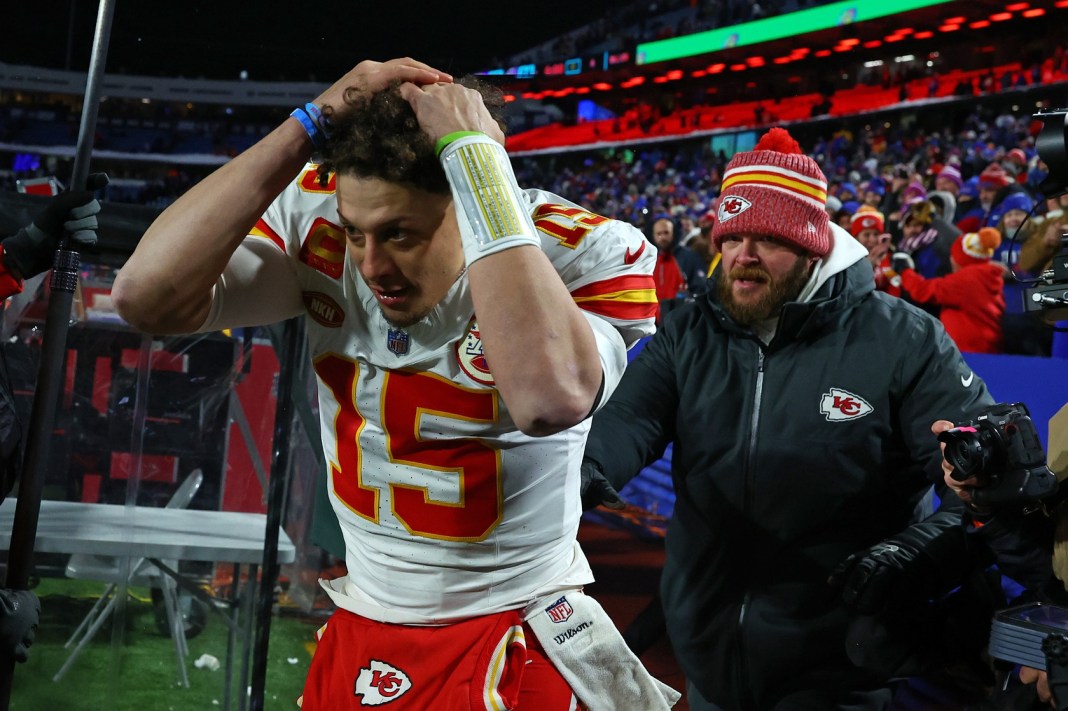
(560, 610)
(398, 341)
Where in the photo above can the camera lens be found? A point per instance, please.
(965, 451)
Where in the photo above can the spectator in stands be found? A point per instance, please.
(832, 207)
(703, 245)
(679, 271)
(945, 204)
(992, 180)
(874, 192)
(970, 298)
(1023, 334)
(844, 217)
(25, 254)
(800, 405)
(687, 229)
(867, 228)
(949, 180)
(928, 238)
(1043, 236)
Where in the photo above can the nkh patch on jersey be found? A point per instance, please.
(839, 405)
(380, 683)
(470, 356)
(324, 309)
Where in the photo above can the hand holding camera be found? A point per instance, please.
(996, 459)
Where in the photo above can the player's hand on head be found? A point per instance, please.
(369, 77)
(447, 108)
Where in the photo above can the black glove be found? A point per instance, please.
(596, 490)
(32, 249)
(20, 611)
(902, 261)
(904, 569)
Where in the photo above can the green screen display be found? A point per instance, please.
(802, 22)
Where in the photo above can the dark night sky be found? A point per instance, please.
(289, 39)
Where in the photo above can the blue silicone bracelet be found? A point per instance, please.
(321, 121)
(310, 126)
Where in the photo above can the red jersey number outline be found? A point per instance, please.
(406, 398)
(570, 237)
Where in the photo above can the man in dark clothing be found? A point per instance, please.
(25, 254)
(679, 271)
(800, 403)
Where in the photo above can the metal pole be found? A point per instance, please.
(53, 349)
(283, 421)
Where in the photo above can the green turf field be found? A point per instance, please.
(141, 674)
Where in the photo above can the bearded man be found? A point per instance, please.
(800, 402)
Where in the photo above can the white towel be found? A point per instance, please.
(583, 644)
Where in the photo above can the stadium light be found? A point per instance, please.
(833, 15)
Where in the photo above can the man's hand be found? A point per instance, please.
(902, 261)
(596, 491)
(369, 77)
(31, 250)
(870, 579)
(20, 613)
(447, 108)
(962, 489)
(903, 569)
(878, 251)
(1041, 681)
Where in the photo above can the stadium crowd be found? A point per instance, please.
(926, 186)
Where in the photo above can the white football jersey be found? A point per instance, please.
(447, 509)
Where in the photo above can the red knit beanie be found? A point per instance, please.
(975, 247)
(775, 190)
(866, 218)
(993, 177)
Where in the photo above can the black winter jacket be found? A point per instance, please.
(787, 458)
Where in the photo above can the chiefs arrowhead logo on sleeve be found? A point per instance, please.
(324, 248)
(470, 356)
(732, 206)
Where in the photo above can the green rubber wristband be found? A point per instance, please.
(450, 137)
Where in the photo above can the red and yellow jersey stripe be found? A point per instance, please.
(630, 298)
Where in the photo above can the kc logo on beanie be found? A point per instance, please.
(775, 190)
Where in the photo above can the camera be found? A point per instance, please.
(1001, 449)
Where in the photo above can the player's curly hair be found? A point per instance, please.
(379, 137)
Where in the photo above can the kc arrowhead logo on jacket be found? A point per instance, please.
(381, 683)
(839, 405)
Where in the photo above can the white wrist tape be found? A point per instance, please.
(489, 206)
